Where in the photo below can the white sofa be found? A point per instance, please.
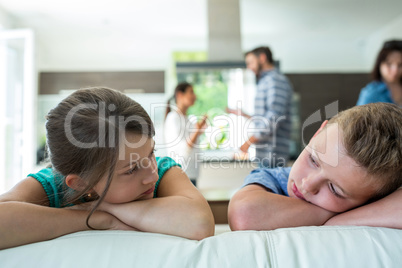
(309, 247)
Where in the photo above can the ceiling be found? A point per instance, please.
(114, 29)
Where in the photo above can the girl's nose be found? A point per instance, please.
(151, 173)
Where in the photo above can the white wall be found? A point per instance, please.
(374, 42)
(321, 36)
(305, 37)
(321, 52)
(311, 52)
(6, 21)
(306, 54)
(109, 53)
(314, 53)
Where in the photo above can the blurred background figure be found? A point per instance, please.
(387, 76)
(272, 111)
(181, 134)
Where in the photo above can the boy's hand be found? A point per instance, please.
(255, 208)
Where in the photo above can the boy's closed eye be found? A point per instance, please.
(313, 161)
(331, 186)
(333, 190)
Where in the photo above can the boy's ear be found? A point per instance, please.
(321, 127)
(75, 182)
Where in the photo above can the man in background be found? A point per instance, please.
(272, 119)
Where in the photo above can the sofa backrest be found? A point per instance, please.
(290, 247)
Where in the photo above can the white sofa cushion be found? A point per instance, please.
(345, 246)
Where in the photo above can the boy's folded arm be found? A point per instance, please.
(386, 212)
(255, 208)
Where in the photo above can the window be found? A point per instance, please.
(17, 99)
(219, 87)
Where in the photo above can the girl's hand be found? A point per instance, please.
(83, 206)
(89, 205)
(100, 219)
(203, 123)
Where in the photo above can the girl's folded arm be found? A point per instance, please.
(26, 218)
(179, 210)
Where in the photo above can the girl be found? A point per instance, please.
(180, 135)
(104, 176)
(387, 75)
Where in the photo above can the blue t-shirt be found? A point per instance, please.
(55, 188)
(375, 91)
(275, 179)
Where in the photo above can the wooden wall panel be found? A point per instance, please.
(148, 81)
(318, 90)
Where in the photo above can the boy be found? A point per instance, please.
(352, 160)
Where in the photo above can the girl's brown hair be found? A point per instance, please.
(84, 132)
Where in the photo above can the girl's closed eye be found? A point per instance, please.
(131, 171)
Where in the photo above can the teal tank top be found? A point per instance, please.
(54, 186)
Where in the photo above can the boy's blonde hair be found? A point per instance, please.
(372, 136)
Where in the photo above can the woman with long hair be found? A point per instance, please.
(387, 76)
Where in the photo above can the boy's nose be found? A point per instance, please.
(311, 185)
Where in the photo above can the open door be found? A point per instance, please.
(18, 95)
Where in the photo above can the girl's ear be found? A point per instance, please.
(321, 127)
(75, 182)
